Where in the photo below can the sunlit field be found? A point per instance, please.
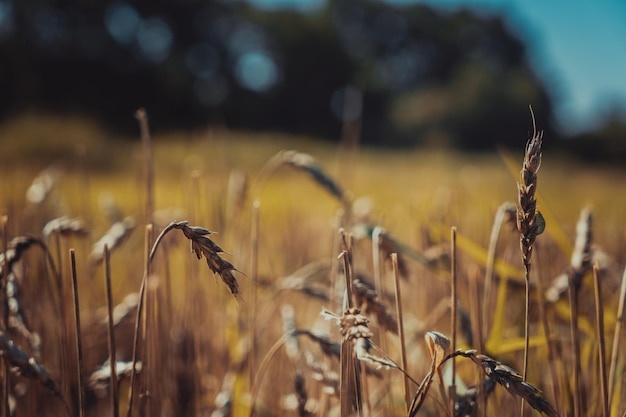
(302, 227)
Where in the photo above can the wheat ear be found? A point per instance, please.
(201, 245)
(510, 379)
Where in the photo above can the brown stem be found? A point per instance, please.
(396, 276)
(115, 400)
(453, 313)
(600, 329)
(79, 345)
(5, 385)
(616, 335)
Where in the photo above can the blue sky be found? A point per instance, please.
(578, 47)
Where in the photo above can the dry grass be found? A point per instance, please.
(207, 349)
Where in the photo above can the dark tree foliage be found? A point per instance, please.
(407, 75)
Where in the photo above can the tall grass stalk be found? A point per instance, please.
(529, 223)
(254, 254)
(146, 380)
(79, 343)
(600, 329)
(146, 143)
(139, 322)
(378, 286)
(617, 335)
(499, 219)
(552, 355)
(453, 314)
(573, 303)
(403, 363)
(114, 393)
(5, 318)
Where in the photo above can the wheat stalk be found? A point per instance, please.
(201, 246)
(580, 261)
(79, 343)
(5, 317)
(116, 234)
(65, 226)
(529, 222)
(616, 335)
(437, 344)
(510, 379)
(601, 350)
(25, 365)
(115, 400)
(370, 301)
(107, 374)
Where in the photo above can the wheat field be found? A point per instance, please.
(274, 275)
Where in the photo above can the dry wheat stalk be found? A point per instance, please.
(100, 378)
(201, 245)
(112, 238)
(529, 220)
(329, 379)
(122, 310)
(510, 379)
(307, 280)
(42, 185)
(328, 348)
(301, 395)
(353, 327)
(370, 301)
(438, 344)
(389, 244)
(580, 261)
(530, 223)
(26, 366)
(467, 403)
(224, 398)
(65, 226)
(14, 312)
(306, 163)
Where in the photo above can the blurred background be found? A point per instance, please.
(439, 73)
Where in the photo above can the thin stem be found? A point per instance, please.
(5, 318)
(453, 313)
(146, 323)
(396, 276)
(491, 259)
(115, 400)
(142, 290)
(600, 329)
(253, 280)
(79, 345)
(526, 328)
(142, 117)
(617, 335)
(546, 332)
(575, 345)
